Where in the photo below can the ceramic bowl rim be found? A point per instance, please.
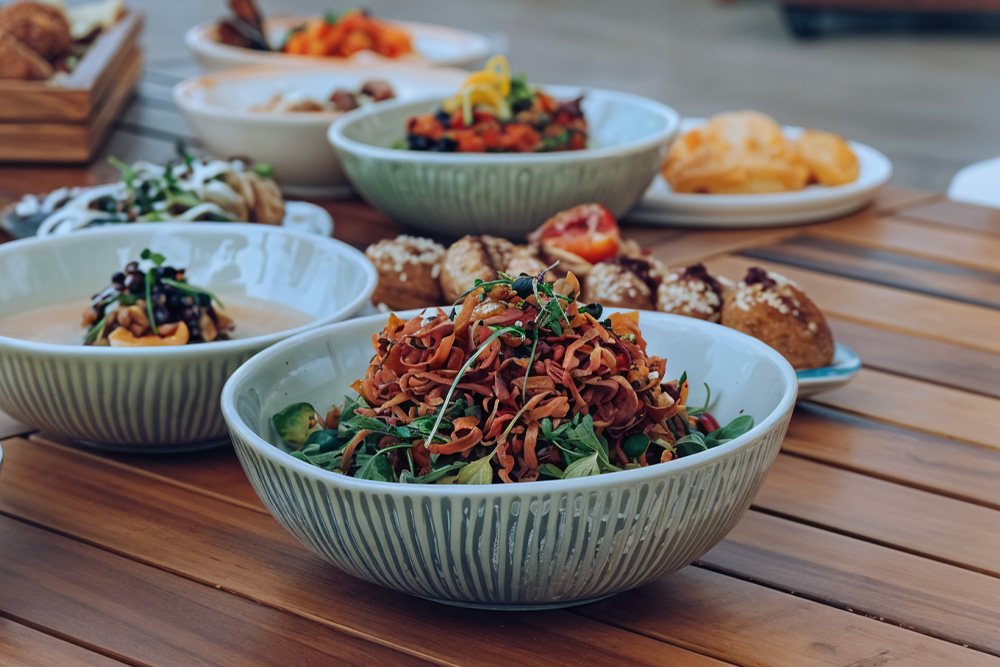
(240, 345)
(550, 487)
(339, 140)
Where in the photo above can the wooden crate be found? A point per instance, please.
(67, 120)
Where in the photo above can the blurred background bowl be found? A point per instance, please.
(217, 106)
(159, 398)
(435, 44)
(504, 194)
(530, 545)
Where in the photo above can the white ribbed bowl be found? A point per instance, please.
(548, 543)
(451, 194)
(158, 399)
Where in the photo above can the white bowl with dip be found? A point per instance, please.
(220, 109)
(274, 282)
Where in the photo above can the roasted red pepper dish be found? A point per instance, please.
(497, 113)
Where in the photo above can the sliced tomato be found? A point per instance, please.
(588, 231)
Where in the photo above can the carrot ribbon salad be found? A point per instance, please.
(518, 382)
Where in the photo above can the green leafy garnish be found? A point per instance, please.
(156, 258)
(191, 289)
(263, 169)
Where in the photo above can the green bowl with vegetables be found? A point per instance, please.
(587, 523)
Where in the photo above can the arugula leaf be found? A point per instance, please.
(690, 444)
(585, 467)
(377, 468)
(435, 475)
(635, 446)
(550, 469)
(478, 472)
(730, 431)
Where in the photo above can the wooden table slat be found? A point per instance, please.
(753, 625)
(248, 553)
(929, 407)
(878, 267)
(885, 307)
(920, 522)
(929, 360)
(932, 463)
(934, 598)
(27, 647)
(952, 246)
(146, 615)
(951, 214)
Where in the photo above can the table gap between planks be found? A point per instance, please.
(873, 542)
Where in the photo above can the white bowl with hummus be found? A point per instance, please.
(274, 282)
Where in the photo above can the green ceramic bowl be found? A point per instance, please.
(452, 194)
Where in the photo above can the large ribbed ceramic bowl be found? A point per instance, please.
(452, 194)
(166, 398)
(536, 544)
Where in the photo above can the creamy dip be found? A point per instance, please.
(62, 324)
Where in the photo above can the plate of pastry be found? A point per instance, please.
(416, 272)
(743, 169)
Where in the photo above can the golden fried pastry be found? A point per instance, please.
(42, 28)
(772, 308)
(408, 271)
(830, 160)
(624, 282)
(739, 152)
(19, 62)
(691, 292)
(481, 257)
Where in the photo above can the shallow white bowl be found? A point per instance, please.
(451, 194)
(434, 44)
(217, 107)
(547, 543)
(158, 399)
(662, 206)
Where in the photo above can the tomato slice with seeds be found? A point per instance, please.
(588, 231)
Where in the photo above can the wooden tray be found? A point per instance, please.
(65, 119)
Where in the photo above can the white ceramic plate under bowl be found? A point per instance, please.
(845, 365)
(514, 546)
(661, 206)
(218, 105)
(159, 399)
(434, 44)
(300, 216)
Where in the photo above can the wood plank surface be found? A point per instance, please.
(878, 267)
(929, 360)
(949, 467)
(928, 596)
(23, 646)
(243, 551)
(914, 404)
(952, 246)
(894, 198)
(952, 214)
(143, 614)
(885, 307)
(754, 625)
(11, 427)
(923, 523)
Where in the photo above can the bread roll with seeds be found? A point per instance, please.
(408, 268)
(691, 292)
(482, 257)
(772, 308)
(624, 282)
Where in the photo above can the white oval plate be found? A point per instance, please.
(300, 216)
(434, 44)
(846, 364)
(662, 206)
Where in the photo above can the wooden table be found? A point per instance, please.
(875, 541)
